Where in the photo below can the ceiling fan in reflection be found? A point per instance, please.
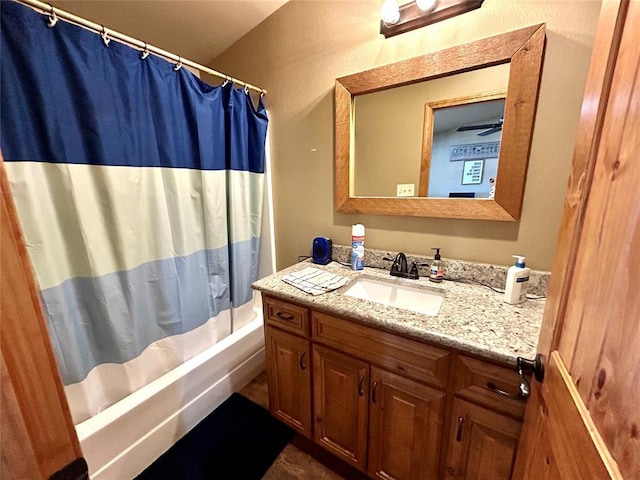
(488, 128)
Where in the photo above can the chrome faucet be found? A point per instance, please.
(400, 267)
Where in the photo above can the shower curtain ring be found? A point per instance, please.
(227, 79)
(246, 90)
(53, 18)
(105, 36)
(178, 65)
(145, 52)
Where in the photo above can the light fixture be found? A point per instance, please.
(425, 5)
(419, 13)
(390, 12)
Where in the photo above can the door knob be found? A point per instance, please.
(535, 366)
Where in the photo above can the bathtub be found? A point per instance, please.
(120, 442)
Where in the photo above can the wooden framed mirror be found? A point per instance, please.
(523, 51)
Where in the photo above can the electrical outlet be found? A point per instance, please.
(405, 190)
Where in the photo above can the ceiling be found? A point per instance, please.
(197, 30)
(468, 114)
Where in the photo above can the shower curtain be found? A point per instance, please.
(139, 189)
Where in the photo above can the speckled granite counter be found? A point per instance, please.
(472, 318)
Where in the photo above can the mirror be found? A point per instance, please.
(400, 123)
(358, 159)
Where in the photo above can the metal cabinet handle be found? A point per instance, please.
(360, 382)
(284, 316)
(492, 386)
(374, 398)
(459, 432)
(302, 365)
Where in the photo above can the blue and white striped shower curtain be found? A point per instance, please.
(139, 189)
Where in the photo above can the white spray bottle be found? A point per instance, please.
(357, 246)
(515, 290)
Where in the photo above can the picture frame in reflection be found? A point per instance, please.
(472, 172)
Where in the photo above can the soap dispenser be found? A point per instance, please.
(436, 272)
(515, 291)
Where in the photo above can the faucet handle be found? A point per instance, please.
(413, 273)
(394, 266)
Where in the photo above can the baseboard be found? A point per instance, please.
(134, 439)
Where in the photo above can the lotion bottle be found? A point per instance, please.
(515, 291)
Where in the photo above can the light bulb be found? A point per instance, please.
(426, 4)
(390, 12)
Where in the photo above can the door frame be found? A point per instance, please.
(38, 436)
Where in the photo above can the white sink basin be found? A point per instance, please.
(396, 295)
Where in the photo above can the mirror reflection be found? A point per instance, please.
(462, 147)
(394, 129)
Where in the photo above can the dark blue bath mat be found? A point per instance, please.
(238, 440)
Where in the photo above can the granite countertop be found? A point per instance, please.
(472, 318)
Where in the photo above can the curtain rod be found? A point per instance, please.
(48, 9)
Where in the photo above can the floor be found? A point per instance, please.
(295, 462)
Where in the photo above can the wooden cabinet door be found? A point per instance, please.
(289, 373)
(482, 443)
(405, 421)
(341, 399)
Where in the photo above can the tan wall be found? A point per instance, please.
(297, 54)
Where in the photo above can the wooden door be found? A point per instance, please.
(289, 374)
(583, 421)
(482, 443)
(405, 425)
(37, 436)
(341, 397)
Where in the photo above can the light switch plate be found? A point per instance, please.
(405, 190)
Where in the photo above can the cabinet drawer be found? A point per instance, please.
(287, 316)
(475, 378)
(408, 358)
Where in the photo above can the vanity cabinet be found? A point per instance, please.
(393, 407)
(485, 421)
(377, 382)
(362, 409)
(288, 364)
(404, 427)
(482, 444)
(340, 404)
